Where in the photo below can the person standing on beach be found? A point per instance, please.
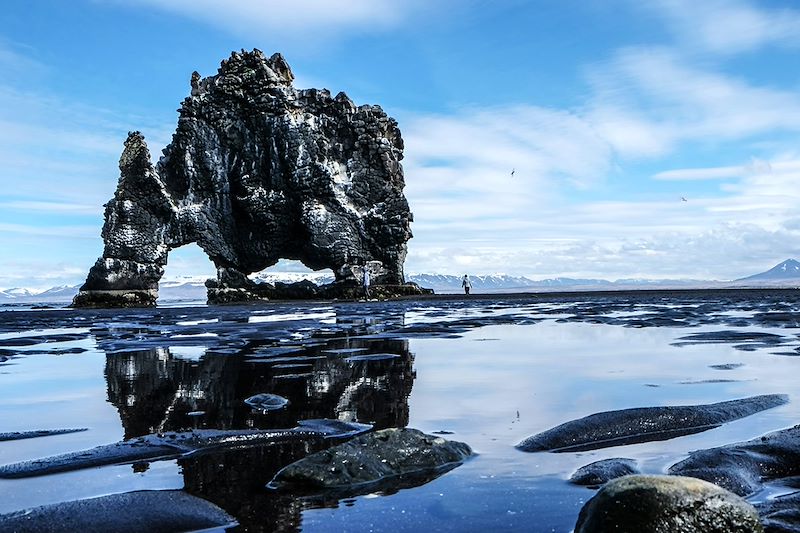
(466, 284)
(365, 281)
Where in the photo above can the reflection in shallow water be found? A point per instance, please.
(487, 372)
(155, 391)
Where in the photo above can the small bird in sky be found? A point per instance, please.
(683, 199)
(512, 172)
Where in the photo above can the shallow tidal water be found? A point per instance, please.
(488, 371)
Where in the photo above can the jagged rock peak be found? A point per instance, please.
(135, 158)
(274, 68)
(246, 73)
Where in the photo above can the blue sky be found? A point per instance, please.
(609, 111)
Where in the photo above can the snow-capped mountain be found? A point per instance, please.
(448, 283)
(503, 283)
(320, 278)
(17, 292)
(787, 270)
(53, 294)
(194, 288)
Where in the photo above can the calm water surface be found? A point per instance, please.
(490, 371)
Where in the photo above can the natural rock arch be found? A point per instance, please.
(257, 171)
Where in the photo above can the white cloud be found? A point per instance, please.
(471, 215)
(729, 26)
(71, 232)
(754, 167)
(474, 153)
(647, 104)
(39, 275)
(17, 65)
(699, 174)
(51, 207)
(293, 19)
(62, 151)
(647, 101)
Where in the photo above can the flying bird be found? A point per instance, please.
(683, 199)
(512, 172)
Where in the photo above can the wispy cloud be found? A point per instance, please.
(472, 215)
(753, 167)
(72, 232)
(17, 64)
(38, 275)
(646, 101)
(51, 207)
(64, 151)
(729, 26)
(310, 20)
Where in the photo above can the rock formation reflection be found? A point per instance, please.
(329, 374)
(154, 390)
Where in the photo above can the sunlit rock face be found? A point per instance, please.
(257, 171)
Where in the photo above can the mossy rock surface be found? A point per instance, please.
(666, 504)
(373, 457)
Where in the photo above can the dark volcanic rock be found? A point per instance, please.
(604, 471)
(306, 290)
(172, 445)
(666, 504)
(781, 514)
(147, 510)
(257, 171)
(373, 457)
(644, 424)
(19, 435)
(742, 467)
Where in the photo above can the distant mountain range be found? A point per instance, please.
(785, 274)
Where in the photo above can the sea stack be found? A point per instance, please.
(257, 171)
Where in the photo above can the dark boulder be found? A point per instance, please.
(174, 445)
(604, 471)
(147, 510)
(644, 424)
(19, 435)
(372, 458)
(666, 504)
(741, 468)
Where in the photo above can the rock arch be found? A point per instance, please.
(257, 171)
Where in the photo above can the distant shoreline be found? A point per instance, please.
(452, 296)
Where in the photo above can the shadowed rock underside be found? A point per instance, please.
(257, 171)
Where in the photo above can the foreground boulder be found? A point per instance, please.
(148, 510)
(666, 504)
(257, 170)
(644, 424)
(742, 467)
(372, 458)
(604, 471)
(173, 445)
